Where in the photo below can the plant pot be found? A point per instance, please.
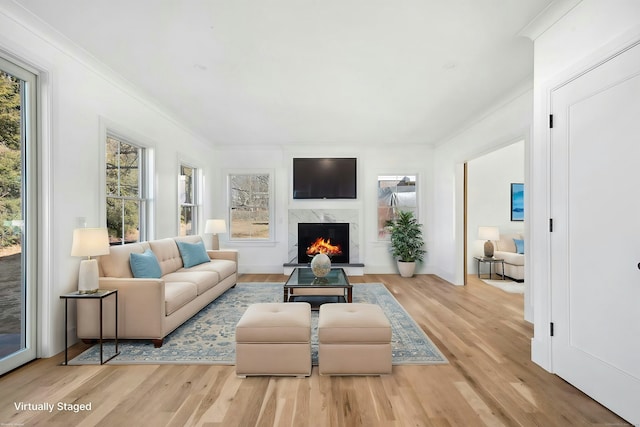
(406, 269)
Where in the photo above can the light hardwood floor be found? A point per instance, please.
(490, 379)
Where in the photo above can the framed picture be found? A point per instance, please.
(517, 202)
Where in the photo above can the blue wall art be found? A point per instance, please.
(517, 202)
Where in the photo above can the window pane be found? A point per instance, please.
(112, 167)
(186, 185)
(129, 170)
(186, 220)
(123, 220)
(114, 220)
(131, 221)
(395, 193)
(249, 206)
(12, 257)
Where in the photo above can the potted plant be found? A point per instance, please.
(406, 242)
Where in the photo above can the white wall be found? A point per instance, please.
(372, 161)
(489, 179)
(564, 47)
(78, 100)
(505, 124)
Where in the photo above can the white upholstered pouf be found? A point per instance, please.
(274, 339)
(353, 339)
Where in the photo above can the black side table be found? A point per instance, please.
(490, 261)
(101, 294)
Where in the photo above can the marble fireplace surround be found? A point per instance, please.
(351, 216)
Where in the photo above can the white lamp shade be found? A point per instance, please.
(215, 226)
(90, 242)
(488, 233)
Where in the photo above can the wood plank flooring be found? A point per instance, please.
(489, 381)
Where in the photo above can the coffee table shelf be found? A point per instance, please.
(317, 290)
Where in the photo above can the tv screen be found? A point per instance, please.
(324, 178)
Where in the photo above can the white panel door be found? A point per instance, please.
(595, 243)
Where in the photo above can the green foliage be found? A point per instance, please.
(10, 161)
(406, 238)
(9, 112)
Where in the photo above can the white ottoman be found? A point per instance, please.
(353, 339)
(274, 339)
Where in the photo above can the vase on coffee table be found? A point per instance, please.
(321, 265)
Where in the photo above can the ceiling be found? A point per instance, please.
(278, 72)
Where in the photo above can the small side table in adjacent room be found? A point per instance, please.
(490, 261)
(101, 294)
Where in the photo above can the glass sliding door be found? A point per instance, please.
(18, 216)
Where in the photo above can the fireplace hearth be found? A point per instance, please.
(330, 238)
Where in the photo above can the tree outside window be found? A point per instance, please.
(126, 204)
(187, 199)
(10, 164)
(250, 214)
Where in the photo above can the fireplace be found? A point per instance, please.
(331, 238)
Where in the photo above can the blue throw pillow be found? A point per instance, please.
(193, 253)
(145, 265)
(519, 245)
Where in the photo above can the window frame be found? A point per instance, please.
(196, 203)
(144, 183)
(271, 179)
(382, 235)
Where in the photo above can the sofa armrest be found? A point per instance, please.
(228, 254)
(141, 309)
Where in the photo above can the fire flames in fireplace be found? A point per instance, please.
(324, 246)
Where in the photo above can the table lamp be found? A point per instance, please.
(488, 234)
(89, 242)
(215, 226)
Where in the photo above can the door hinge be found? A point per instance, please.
(550, 121)
(550, 225)
(551, 328)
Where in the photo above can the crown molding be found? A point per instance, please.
(39, 28)
(549, 16)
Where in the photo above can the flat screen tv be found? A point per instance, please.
(324, 178)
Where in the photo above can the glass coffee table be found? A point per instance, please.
(302, 285)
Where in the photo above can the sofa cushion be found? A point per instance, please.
(510, 257)
(168, 255)
(145, 265)
(192, 253)
(506, 242)
(178, 294)
(223, 267)
(204, 280)
(519, 245)
(116, 264)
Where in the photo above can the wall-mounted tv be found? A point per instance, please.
(324, 178)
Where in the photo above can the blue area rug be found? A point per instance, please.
(209, 336)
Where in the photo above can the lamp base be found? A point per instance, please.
(88, 277)
(215, 242)
(488, 249)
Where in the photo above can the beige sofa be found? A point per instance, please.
(153, 308)
(505, 248)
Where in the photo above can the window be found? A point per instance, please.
(250, 206)
(395, 193)
(126, 191)
(188, 200)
